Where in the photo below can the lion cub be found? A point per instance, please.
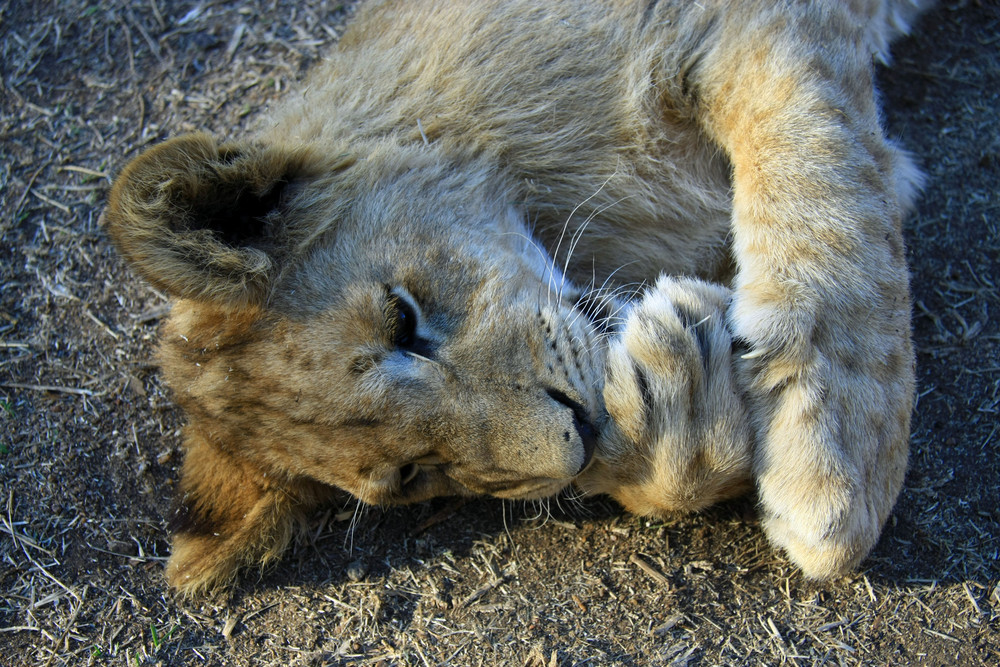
(406, 283)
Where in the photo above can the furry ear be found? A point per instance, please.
(204, 221)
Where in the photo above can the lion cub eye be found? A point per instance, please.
(405, 327)
(401, 319)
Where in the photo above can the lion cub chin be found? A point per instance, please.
(376, 291)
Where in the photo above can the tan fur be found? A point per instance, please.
(362, 303)
(678, 438)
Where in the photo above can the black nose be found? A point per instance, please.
(589, 437)
(586, 430)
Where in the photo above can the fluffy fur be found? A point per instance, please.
(410, 280)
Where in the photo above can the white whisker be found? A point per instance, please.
(359, 511)
(421, 357)
(547, 262)
(562, 233)
(578, 234)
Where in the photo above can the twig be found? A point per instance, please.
(942, 635)
(35, 563)
(84, 170)
(69, 624)
(27, 188)
(21, 539)
(480, 592)
(154, 47)
(655, 574)
(50, 387)
(137, 558)
(51, 202)
(234, 41)
(104, 326)
(972, 599)
(21, 628)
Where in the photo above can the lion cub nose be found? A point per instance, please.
(581, 422)
(589, 437)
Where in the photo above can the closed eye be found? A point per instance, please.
(404, 326)
(403, 319)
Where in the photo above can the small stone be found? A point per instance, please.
(357, 570)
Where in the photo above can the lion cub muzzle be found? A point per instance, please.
(521, 412)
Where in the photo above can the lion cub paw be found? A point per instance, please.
(677, 437)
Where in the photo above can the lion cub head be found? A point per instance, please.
(366, 322)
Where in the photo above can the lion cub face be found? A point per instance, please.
(359, 325)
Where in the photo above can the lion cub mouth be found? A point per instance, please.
(422, 481)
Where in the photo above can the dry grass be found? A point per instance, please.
(89, 445)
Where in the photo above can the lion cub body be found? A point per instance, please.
(411, 280)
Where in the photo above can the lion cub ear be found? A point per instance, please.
(204, 221)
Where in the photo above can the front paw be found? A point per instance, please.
(832, 415)
(677, 437)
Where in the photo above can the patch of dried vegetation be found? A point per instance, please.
(88, 438)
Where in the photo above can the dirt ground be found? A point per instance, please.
(89, 446)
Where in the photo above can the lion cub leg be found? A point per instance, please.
(821, 296)
(678, 438)
(229, 515)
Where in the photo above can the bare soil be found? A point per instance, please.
(89, 443)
